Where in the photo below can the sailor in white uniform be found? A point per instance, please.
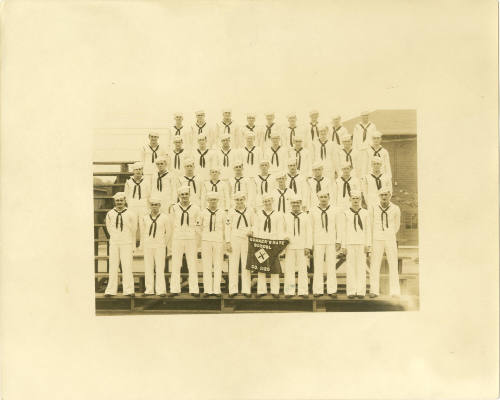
(176, 156)
(162, 185)
(303, 156)
(269, 224)
(264, 141)
(215, 184)
(377, 151)
(251, 155)
(226, 156)
(346, 183)
(319, 182)
(121, 224)
(276, 153)
(240, 183)
(313, 126)
(347, 153)
(190, 180)
(299, 234)
(239, 225)
(178, 130)
(297, 182)
(363, 131)
(264, 183)
(185, 221)
(356, 240)
(251, 126)
(213, 221)
(204, 157)
(228, 127)
(338, 130)
(385, 220)
(150, 152)
(291, 130)
(200, 127)
(154, 229)
(373, 182)
(327, 229)
(324, 151)
(282, 194)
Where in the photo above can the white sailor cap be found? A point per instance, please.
(201, 136)
(226, 110)
(385, 189)
(317, 165)
(355, 193)
(298, 137)
(215, 167)
(376, 160)
(153, 133)
(154, 200)
(199, 112)
(269, 113)
(323, 127)
(364, 112)
(291, 115)
(336, 116)
(275, 134)
(212, 195)
(280, 175)
(251, 114)
(177, 114)
(376, 134)
(225, 136)
(137, 165)
(119, 195)
(188, 161)
(250, 134)
(313, 112)
(264, 161)
(177, 138)
(161, 159)
(183, 189)
(295, 198)
(238, 162)
(291, 161)
(267, 196)
(240, 194)
(345, 164)
(345, 137)
(322, 193)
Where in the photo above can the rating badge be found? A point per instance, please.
(261, 255)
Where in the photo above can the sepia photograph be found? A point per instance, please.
(259, 213)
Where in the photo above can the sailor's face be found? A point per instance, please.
(385, 197)
(376, 140)
(251, 120)
(240, 202)
(155, 207)
(161, 165)
(355, 201)
(295, 206)
(324, 199)
(189, 168)
(184, 196)
(120, 203)
(153, 139)
(178, 119)
(212, 203)
(214, 174)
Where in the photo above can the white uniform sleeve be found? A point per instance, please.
(397, 218)
(368, 231)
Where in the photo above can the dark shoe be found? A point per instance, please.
(318, 295)
(162, 295)
(288, 296)
(205, 295)
(195, 294)
(333, 295)
(247, 295)
(304, 296)
(276, 296)
(174, 294)
(373, 295)
(351, 296)
(218, 294)
(360, 297)
(109, 295)
(130, 295)
(232, 294)
(395, 296)
(147, 294)
(261, 294)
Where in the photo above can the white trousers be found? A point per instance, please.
(212, 256)
(180, 247)
(262, 283)
(325, 256)
(239, 252)
(154, 259)
(123, 253)
(391, 251)
(295, 260)
(356, 269)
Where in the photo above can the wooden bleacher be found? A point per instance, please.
(186, 303)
